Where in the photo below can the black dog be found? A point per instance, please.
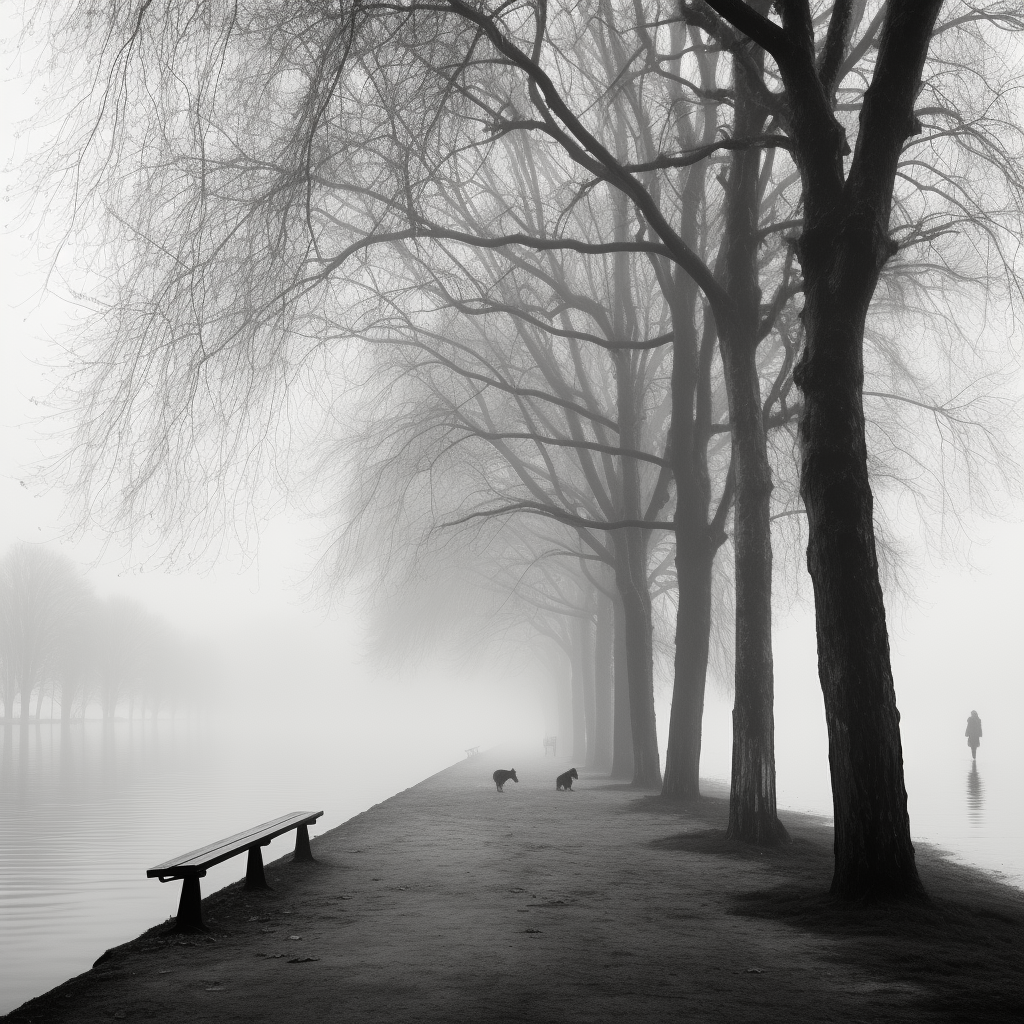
(501, 777)
(564, 781)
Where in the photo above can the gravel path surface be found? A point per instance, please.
(452, 902)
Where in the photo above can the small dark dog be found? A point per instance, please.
(564, 781)
(501, 777)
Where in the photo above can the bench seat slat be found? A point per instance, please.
(206, 856)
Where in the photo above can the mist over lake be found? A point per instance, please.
(86, 808)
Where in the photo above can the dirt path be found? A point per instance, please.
(450, 902)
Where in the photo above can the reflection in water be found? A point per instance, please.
(975, 798)
(86, 808)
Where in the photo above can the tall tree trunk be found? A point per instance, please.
(696, 545)
(622, 726)
(752, 799)
(630, 544)
(603, 685)
(631, 580)
(586, 634)
(694, 558)
(873, 850)
(579, 695)
(697, 541)
(843, 246)
(752, 802)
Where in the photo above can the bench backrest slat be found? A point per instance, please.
(206, 856)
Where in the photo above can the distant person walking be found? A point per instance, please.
(973, 734)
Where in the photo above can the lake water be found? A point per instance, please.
(85, 810)
(973, 812)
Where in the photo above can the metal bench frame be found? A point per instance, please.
(191, 866)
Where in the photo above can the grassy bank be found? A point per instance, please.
(451, 902)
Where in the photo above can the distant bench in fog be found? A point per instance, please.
(191, 866)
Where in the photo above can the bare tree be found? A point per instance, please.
(126, 632)
(279, 201)
(75, 664)
(41, 597)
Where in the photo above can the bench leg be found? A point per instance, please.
(254, 877)
(302, 850)
(190, 909)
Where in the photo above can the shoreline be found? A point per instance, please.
(448, 901)
(1012, 876)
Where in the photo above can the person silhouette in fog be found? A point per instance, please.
(973, 734)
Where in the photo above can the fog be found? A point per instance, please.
(337, 632)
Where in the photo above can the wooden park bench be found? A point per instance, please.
(191, 866)
(472, 751)
(549, 743)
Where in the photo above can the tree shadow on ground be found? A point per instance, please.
(959, 948)
(962, 951)
(803, 856)
(709, 810)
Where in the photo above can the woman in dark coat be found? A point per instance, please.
(973, 734)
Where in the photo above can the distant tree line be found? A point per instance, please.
(569, 300)
(65, 649)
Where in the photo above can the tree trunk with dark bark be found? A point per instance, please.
(629, 544)
(693, 631)
(603, 685)
(631, 577)
(579, 693)
(752, 805)
(622, 726)
(874, 852)
(586, 635)
(696, 545)
(696, 542)
(695, 555)
(844, 245)
(842, 248)
(630, 556)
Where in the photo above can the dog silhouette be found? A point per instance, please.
(564, 781)
(501, 777)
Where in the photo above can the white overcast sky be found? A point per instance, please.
(30, 322)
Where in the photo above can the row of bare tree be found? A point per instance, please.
(566, 300)
(62, 644)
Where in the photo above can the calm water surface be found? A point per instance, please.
(86, 809)
(974, 812)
